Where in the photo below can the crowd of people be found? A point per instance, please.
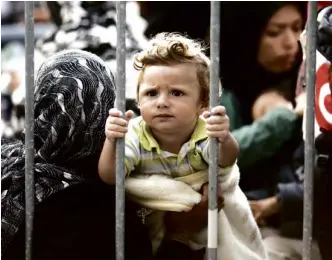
(167, 130)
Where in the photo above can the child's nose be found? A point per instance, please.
(163, 101)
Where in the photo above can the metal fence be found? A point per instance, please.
(29, 126)
(120, 150)
(120, 81)
(310, 132)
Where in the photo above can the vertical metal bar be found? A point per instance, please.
(214, 101)
(29, 127)
(309, 138)
(120, 146)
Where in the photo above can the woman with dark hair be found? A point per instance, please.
(260, 58)
(259, 63)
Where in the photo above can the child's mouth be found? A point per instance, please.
(164, 116)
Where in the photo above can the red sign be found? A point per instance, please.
(323, 97)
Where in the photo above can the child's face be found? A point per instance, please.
(169, 98)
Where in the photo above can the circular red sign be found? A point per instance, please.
(323, 99)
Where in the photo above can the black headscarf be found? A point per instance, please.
(74, 91)
(242, 24)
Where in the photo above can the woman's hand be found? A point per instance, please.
(194, 220)
(264, 208)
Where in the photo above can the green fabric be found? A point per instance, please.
(261, 139)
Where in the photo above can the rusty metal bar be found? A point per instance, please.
(29, 127)
(213, 152)
(310, 135)
(120, 145)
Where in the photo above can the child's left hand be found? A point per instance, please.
(217, 123)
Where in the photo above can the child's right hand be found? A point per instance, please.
(117, 126)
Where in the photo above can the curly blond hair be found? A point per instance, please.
(172, 49)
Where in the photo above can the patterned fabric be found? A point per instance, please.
(74, 91)
(89, 26)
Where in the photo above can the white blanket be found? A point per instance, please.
(238, 235)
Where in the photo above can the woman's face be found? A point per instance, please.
(279, 43)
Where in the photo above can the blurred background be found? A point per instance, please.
(59, 25)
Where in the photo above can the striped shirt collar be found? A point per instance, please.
(149, 143)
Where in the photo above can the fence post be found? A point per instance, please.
(214, 101)
(120, 145)
(29, 127)
(309, 138)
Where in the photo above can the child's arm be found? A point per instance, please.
(116, 127)
(106, 165)
(217, 125)
(228, 151)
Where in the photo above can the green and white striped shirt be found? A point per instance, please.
(144, 156)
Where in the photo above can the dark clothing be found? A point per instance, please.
(79, 223)
(6, 107)
(322, 196)
(163, 16)
(174, 250)
(290, 195)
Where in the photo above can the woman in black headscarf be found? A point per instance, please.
(75, 211)
(260, 60)
(260, 52)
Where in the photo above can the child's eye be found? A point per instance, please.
(151, 93)
(177, 93)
